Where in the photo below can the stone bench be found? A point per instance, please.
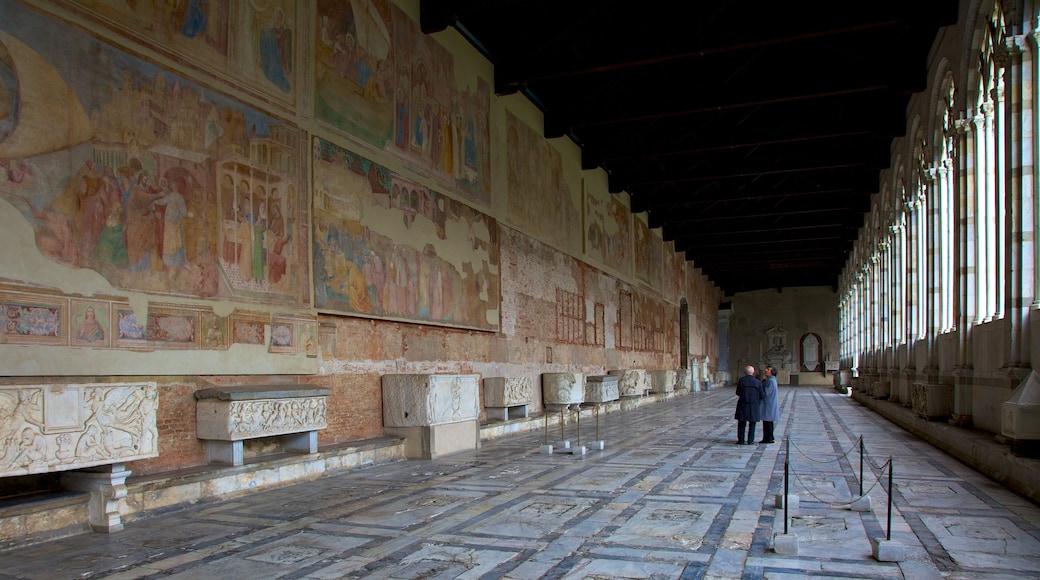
(227, 416)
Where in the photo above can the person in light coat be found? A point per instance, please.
(770, 406)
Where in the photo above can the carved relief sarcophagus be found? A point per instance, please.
(601, 389)
(54, 427)
(633, 382)
(563, 389)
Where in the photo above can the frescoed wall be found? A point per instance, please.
(382, 81)
(608, 230)
(385, 246)
(649, 253)
(154, 182)
(541, 202)
(253, 42)
(271, 192)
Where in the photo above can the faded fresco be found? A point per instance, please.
(390, 248)
(155, 183)
(673, 273)
(251, 41)
(649, 254)
(608, 233)
(381, 80)
(540, 201)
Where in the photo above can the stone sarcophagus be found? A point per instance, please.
(601, 389)
(436, 414)
(932, 401)
(561, 390)
(87, 431)
(507, 395)
(46, 428)
(632, 382)
(662, 381)
(227, 416)
(683, 380)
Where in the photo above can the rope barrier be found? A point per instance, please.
(838, 458)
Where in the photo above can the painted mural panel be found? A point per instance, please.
(649, 254)
(252, 41)
(388, 247)
(608, 231)
(540, 201)
(381, 80)
(150, 180)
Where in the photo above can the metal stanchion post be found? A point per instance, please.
(888, 536)
(577, 425)
(861, 466)
(787, 478)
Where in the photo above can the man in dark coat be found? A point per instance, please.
(749, 399)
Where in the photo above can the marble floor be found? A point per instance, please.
(670, 496)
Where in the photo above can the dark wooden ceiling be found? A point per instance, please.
(753, 133)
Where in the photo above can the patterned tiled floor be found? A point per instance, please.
(671, 496)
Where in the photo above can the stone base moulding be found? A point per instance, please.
(227, 416)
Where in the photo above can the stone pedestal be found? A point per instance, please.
(600, 389)
(436, 414)
(932, 401)
(662, 381)
(632, 382)
(507, 396)
(107, 486)
(881, 389)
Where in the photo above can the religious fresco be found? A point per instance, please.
(381, 80)
(146, 178)
(540, 202)
(388, 247)
(608, 230)
(649, 254)
(674, 279)
(250, 41)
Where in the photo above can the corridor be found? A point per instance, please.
(671, 496)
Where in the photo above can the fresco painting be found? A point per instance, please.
(608, 234)
(379, 79)
(365, 262)
(155, 183)
(90, 323)
(250, 41)
(649, 254)
(540, 201)
(32, 319)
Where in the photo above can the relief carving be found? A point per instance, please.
(46, 428)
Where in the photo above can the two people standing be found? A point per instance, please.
(756, 401)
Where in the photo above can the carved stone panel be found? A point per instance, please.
(508, 391)
(238, 420)
(683, 380)
(53, 427)
(421, 400)
(633, 382)
(662, 381)
(933, 401)
(562, 389)
(601, 389)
